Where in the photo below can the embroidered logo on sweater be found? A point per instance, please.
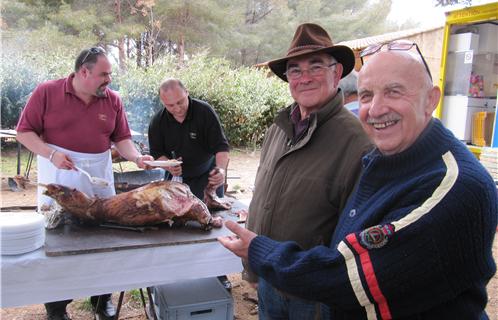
(377, 236)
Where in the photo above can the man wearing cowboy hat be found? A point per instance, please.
(310, 160)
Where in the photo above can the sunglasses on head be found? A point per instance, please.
(92, 51)
(399, 45)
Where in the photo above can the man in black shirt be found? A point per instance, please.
(190, 130)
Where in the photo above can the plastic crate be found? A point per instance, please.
(200, 299)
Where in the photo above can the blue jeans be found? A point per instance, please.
(274, 305)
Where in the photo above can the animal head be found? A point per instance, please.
(63, 194)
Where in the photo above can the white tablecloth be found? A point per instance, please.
(34, 278)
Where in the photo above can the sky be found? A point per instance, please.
(423, 11)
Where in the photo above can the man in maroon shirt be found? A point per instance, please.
(70, 123)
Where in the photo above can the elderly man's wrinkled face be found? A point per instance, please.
(318, 81)
(175, 100)
(396, 100)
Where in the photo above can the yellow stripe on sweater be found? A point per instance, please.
(436, 197)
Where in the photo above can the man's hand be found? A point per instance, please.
(238, 243)
(62, 161)
(175, 170)
(216, 177)
(140, 161)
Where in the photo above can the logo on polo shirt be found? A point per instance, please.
(102, 116)
(193, 135)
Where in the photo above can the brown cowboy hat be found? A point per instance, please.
(311, 38)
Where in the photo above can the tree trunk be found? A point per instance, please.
(181, 50)
(128, 48)
(256, 59)
(139, 50)
(119, 20)
(122, 55)
(148, 48)
(243, 55)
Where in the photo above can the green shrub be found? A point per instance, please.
(245, 99)
(19, 76)
(138, 88)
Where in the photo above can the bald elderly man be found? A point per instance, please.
(415, 238)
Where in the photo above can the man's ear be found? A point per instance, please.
(433, 100)
(83, 71)
(338, 73)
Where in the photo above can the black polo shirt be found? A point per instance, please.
(196, 140)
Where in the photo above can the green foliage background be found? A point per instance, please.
(195, 40)
(19, 76)
(246, 99)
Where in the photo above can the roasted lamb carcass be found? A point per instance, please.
(154, 203)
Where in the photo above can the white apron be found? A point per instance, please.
(97, 164)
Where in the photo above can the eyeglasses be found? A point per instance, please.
(316, 70)
(91, 51)
(400, 45)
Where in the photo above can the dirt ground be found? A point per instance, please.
(241, 173)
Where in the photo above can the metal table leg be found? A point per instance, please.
(120, 302)
(151, 303)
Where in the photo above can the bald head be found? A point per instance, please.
(397, 99)
(171, 83)
(402, 61)
(174, 97)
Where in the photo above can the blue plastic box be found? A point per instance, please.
(200, 299)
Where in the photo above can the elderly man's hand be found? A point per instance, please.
(238, 243)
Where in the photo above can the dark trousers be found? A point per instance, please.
(275, 305)
(59, 307)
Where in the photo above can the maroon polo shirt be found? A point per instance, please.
(59, 117)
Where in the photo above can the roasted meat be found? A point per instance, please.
(154, 203)
(212, 200)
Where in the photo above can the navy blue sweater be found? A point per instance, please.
(414, 241)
